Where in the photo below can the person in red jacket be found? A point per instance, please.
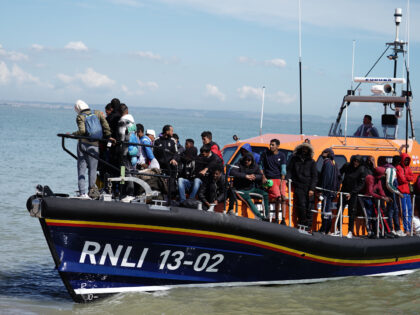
(374, 190)
(404, 177)
(207, 137)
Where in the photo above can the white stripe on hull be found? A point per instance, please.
(221, 284)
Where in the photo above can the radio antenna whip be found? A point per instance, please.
(300, 66)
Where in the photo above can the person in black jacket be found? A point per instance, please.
(247, 175)
(187, 181)
(329, 180)
(354, 181)
(166, 151)
(212, 189)
(302, 171)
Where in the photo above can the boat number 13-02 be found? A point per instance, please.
(204, 262)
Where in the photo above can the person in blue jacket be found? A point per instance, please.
(247, 148)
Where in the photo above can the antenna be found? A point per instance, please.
(352, 65)
(262, 110)
(300, 66)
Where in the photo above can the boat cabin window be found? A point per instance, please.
(228, 152)
(364, 157)
(340, 160)
(259, 151)
(382, 160)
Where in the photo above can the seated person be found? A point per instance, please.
(146, 158)
(246, 177)
(212, 189)
(366, 130)
(247, 148)
(188, 182)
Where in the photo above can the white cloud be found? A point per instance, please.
(12, 55)
(244, 59)
(23, 77)
(19, 76)
(148, 55)
(90, 78)
(212, 90)
(249, 91)
(78, 46)
(280, 63)
(129, 3)
(37, 47)
(65, 78)
(150, 85)
(282, 97)
(4, 73)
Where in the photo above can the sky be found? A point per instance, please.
(199, 54)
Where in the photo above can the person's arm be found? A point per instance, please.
(106, 130)
(361, 182)
(369, 182)
(80, 121)
(409, 174)
(314, 176)
(389, 181)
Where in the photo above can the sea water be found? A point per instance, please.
(31, 154)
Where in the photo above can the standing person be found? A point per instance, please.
(273, 164)
(247, 175)
(374, 190)
(128, 154)
(354, 181)
(113, 117)
(92, 125)
(207, 138)
(166, 151)
(329, 181)
(404, 177)
(211, 191)
(146, 157)
(392, 191)
(366, 129)
(302, 171)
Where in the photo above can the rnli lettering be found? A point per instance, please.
(123, 256)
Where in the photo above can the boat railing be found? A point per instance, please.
(123, 171)
(338, 225)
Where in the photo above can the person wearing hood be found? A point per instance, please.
(370, 165)
(247, 175)
(246, 147)
(302, 171)
(391, 184)
(128, 154)
(114, 116)
(374, 191)
(84, 160)
(404, 177)
(329, 181)
(354, 181)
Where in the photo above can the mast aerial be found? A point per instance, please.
(300, 67)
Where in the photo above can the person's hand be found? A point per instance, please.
(215, 202)
(250, 177)
(348, 196)
(387, 199)
(264, 179)
(204, 171)
(311, 193)
(401, 195)
(173, 162)
(112, 140)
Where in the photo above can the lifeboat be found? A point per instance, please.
(102, 247)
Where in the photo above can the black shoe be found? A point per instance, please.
(265, 219)
(283, 222)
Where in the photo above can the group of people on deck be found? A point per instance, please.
(200, 174)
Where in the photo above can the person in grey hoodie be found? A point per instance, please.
(83, 159)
